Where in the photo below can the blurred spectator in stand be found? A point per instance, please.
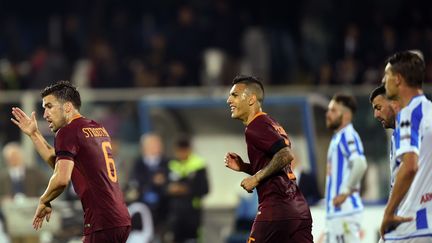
(148, 180)
(151, 69)
(19, 181)
(325, 75)
(256, 52)
(187, 186)
(73, 38)
(223, 21)
(47, 65)
(106, 70)
(184, 49)
(122, 34)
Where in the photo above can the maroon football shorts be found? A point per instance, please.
(286, 231)
(114, 235)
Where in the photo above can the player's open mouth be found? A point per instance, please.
(232, 108)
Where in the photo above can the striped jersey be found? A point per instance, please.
(394, 162)
(344, 148)
(413, 134)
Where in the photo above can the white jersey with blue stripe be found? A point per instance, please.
(344, 148)
(413, 134)
(394, 162)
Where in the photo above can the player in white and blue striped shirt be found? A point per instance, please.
(408, 214)
(385, 111)
(346, 165)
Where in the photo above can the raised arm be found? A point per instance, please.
(29, 127)
(280, 159)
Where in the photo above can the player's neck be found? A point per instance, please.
(73, 116)
(343, 125)
(407, 94)
(257, 111)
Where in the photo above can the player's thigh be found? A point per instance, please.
(282, 231)
(303, 232)
(115, 235)
(343, 230)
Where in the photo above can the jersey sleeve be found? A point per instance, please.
(407, 135)
(352, 145)
(66, 144)
(267, 137)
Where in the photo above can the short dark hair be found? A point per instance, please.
(380, 90)
(64, 91)
(410, 65)
(183, 142)
(346, 100)
(250, 81)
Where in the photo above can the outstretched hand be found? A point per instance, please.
(43, 212)
(23, 121)
(233, 161)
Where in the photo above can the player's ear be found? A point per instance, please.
(398, 79)
(68, 107)
(252, 99)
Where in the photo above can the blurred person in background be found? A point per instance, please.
(409, 207)
(148, 181)
(82, 153)
(346, 166)
(187, 186)
(19, 181)
(306, 181)
(3, 237)
(283, 214)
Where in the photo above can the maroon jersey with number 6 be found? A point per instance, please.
(94, 176)
(279, 196)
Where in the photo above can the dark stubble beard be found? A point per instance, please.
(335, 124)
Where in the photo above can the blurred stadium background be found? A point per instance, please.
(166, 66)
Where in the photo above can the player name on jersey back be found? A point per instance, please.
(94, 132)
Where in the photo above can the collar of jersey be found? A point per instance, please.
(415, 97)
(75, 117)
(257, 115)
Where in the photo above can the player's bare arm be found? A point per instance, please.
(29, 126)
(58, 182)
(358, 170)
(281, 159)
(236, 163)
(404, 178)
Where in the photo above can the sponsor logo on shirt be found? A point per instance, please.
(426, 198)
